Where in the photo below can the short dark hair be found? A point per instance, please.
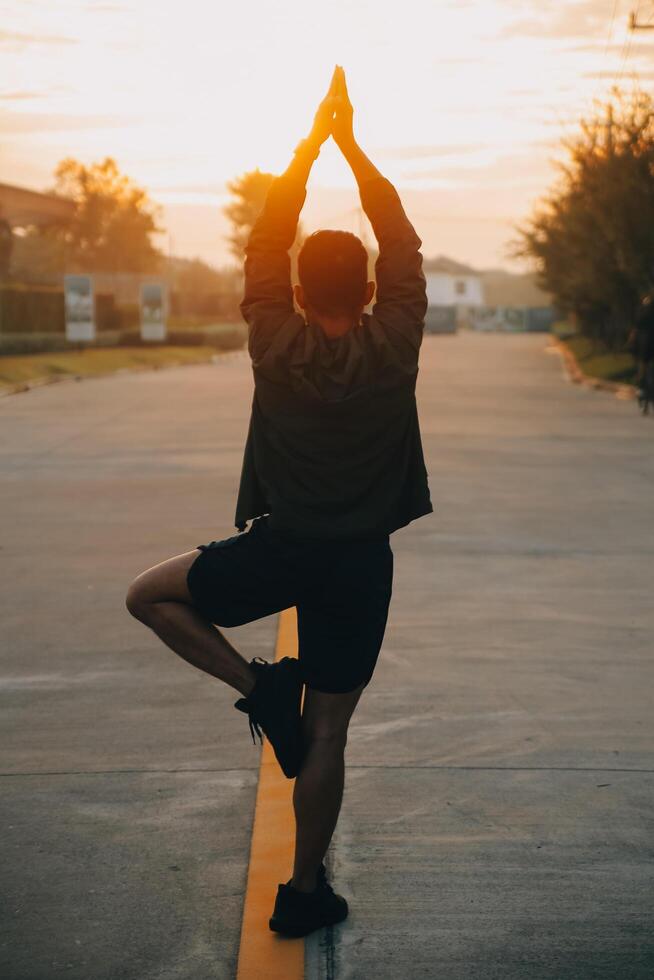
(333, 271)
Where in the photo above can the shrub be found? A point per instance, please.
(31, 309)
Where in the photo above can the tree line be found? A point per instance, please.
(592, 236)
(112, 226)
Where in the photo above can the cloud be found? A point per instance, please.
(39, 122)
(635, 49)
(636, 74)
(509, 170)
(199, 188)
(19, 96)
(16, 41)
(422, 152)
(581, 18)
(458, 61)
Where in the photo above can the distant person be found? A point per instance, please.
(333, 465)
(642, 346)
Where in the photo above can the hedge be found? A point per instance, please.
(41, 310)
(37, 314)
(32, 309)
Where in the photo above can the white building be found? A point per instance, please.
(451, 283)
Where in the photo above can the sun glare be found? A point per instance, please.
(448, 95)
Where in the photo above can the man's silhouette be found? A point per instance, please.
(333, 465)
(641, 343)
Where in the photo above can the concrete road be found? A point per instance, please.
(498, 813)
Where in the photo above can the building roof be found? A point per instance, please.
(20, 206)
(450, 266)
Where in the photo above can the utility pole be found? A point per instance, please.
(635, 26)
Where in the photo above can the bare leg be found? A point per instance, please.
(318, 789)
(160, 599)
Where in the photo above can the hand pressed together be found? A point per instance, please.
(342, 123)
(334, 116)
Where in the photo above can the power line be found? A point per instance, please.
(626, 49)
(565, 125)
(595, 93)
(622, 56)
(435, 216)
(635, 24)
(496, 219)
(611, 25)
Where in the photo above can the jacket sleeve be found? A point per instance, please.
(401, 297)
(268, 297)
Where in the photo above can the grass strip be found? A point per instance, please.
(595, 360)
(21, 369)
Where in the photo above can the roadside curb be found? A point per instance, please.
(135, 369)
(575, 375)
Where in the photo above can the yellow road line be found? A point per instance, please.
(262, 954)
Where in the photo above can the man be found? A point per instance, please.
(641, 343)
(333, 464)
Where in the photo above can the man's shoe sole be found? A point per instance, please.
(297, 932)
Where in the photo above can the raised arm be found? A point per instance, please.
(268, 297)
(401, 297)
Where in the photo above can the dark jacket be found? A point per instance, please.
(334, 448)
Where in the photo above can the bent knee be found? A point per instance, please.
(136, 601)
(165, 582)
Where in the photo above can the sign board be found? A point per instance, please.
(80, 307)
(153, 311)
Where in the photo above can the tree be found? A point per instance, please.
(592, 236)
(249, 192)
(198, 288)
(113, 220)
(196, 276)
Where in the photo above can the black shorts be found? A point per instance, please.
(342, 590)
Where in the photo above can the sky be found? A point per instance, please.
(461, 103)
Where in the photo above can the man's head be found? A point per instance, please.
(333, 273)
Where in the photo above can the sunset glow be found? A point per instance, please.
(462, 104)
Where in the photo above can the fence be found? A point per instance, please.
(512, 319)
(503, 319)
(32, 319)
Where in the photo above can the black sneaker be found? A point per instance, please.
(299, 913)
(274, 706)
